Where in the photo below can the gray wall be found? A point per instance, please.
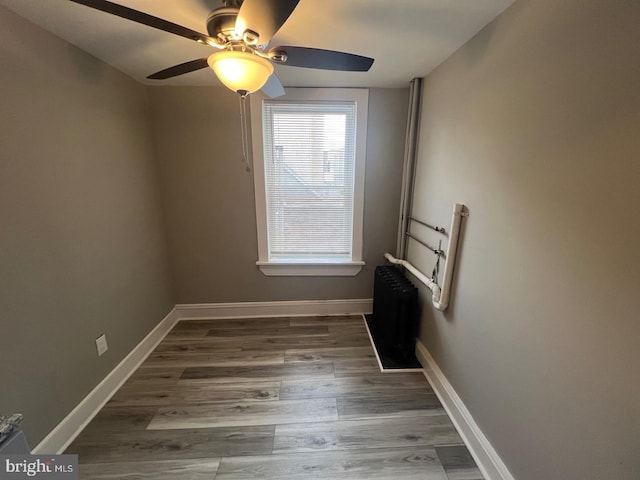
(210, 207)
(535, 125)
(82, 249)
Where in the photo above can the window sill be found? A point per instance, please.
(310, 269)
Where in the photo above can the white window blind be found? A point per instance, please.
(309, 165)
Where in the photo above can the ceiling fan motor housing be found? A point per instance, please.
(221, 24)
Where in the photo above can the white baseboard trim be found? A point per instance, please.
(300, 308)
(488, 460)
(68, 429)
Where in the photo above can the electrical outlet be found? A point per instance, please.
(101, 344)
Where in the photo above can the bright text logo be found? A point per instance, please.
(49, 467)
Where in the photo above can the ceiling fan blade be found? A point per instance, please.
(146, 19)
(265, 17)
(323, 59)
(273, 88)
(181, 69)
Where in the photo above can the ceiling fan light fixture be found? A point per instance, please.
(241, 71)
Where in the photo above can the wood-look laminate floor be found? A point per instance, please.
(284, 398)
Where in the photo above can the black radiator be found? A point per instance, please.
(395, 311)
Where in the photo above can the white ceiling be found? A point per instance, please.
(407, 38)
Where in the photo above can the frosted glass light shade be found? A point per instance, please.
(241, 71)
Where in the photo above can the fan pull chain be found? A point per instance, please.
(244, 129)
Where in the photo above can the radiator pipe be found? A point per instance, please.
(435, 289)
(408, 170)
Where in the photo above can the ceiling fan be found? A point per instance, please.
(242, 30)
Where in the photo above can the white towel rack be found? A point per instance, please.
(440, 296)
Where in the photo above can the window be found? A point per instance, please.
(309, 150)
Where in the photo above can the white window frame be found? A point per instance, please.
(282, 267)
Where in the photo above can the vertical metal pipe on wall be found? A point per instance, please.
(440, 295)
(410, 153)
